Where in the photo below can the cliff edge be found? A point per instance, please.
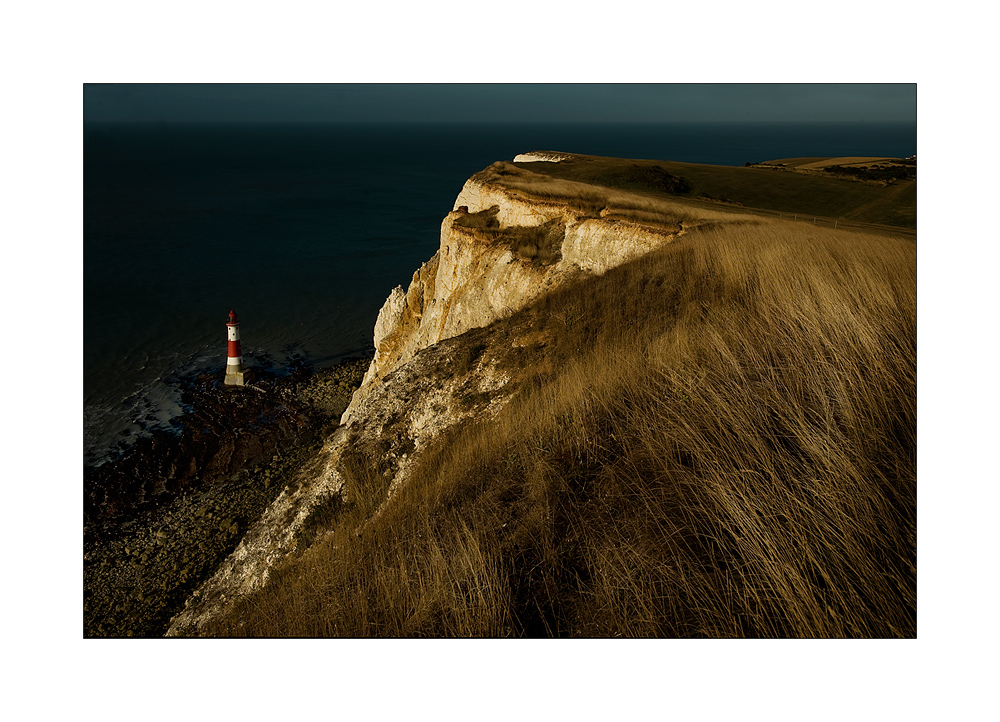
(503, 246)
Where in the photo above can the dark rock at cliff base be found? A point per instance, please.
(166, 514)
(226, 429)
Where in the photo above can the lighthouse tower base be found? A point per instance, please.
(237, 378)
(235, 375)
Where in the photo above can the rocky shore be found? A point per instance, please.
(159, 520)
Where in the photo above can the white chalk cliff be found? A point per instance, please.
(470, 283)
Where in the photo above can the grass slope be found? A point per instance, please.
(715, 440)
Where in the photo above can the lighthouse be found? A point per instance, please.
(235, 376)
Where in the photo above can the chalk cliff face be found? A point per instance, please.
(541, 155)
(470, 281)
(500, 249)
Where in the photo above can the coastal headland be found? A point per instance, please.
(623, 398)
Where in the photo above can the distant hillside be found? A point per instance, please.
(761, 186)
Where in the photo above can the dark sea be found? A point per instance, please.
(305, 229)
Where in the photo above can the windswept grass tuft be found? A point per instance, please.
(725, 447)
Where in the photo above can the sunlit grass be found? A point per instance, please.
(722, 443)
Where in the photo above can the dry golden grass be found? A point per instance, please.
(723, 445)
(650, 207)
(813, 164)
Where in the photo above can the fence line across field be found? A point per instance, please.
(795, 217)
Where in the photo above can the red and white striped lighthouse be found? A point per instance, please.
(234, 364)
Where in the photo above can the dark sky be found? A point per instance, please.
(499, 102)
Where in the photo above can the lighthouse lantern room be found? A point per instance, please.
(235, 375)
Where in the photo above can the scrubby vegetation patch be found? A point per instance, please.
(881, 173)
